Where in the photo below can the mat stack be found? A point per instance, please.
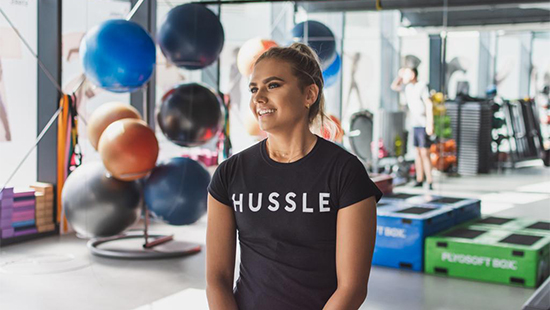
(23, 216)
(44, 206)
(6, 211)
(471, 125)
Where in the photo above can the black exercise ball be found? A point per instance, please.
(191, 36)
(191, 114)
(97, 205)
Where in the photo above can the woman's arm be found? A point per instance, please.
(429, 116)
(397, 84)
(355, 237)
(220, 256)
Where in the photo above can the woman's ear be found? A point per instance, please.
(312, 94)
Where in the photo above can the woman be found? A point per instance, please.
(305, 208)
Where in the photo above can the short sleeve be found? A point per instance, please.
(218, 186)
(355, 184)
(425, 92)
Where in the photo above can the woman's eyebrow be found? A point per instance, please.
(267, 80)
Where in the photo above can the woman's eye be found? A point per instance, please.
(273, 85)
(253, 89)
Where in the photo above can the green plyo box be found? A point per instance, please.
(492, 255)
(525, 225)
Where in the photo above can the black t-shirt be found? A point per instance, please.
(286, 218)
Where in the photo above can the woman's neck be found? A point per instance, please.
(290, 147)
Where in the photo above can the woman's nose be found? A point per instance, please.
(259, 97)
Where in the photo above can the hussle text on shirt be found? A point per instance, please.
(256, 202)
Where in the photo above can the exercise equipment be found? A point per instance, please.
(491, 255)
(471, 129)
(99, 206)
(191, 114)
(515, 224)
(524, 132)
(331, 74)
(191, 36)
(319, 37)
(69, 156)
(118, 55)
(129, 149)
(398, 198)
(464, 209)
(401, 230)
(443, 155)
(105, 115)
(176, 191)
(249, 53)
(361, 135)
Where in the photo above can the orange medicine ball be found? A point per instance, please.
(105, 115)
(249, 52)
(129, 149)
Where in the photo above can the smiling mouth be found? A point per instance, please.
(264, 113)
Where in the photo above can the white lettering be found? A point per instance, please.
(504, 264)
(259, 206)
(323, 202)
(292, 206)
(394, 232)
(275, 203)
(305, 209)
(474, 260)
(238, 202)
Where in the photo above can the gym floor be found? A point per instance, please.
(60, 273)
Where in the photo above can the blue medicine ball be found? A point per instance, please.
(191, 36)
(118, 55)
(319, 37)
(176, 191)
(330, 75)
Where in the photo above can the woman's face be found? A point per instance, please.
(276, 99)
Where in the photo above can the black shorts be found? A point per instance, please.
(421, 139)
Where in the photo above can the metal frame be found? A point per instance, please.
(436, 73)
(144, 100)
(49, 53)
(177, 249)
(389, 59)
(211, 74)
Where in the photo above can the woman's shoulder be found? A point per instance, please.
(245, 154)
(336, 151)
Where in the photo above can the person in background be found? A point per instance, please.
(420, 107)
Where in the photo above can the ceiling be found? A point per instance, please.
(479, 17)
(428, 5)
(426, 13)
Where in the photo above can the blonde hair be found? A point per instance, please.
(305, 66)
